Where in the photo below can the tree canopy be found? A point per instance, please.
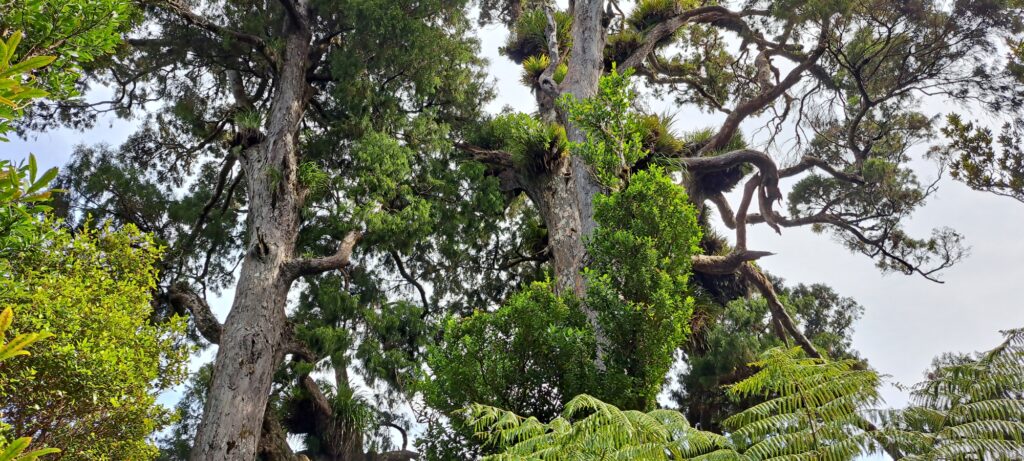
(392, 253)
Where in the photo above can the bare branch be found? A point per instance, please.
(808, 162)
(339, 260)
(412, 281)
(754, 275)
(728, 264)
(184, 298)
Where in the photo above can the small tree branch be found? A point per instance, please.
(412, 281)
(339, 260)
(664, 30)
(807, 162)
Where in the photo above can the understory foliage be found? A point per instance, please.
(967, 408)
(970, 407)
(728, 338)
(14, 450)
(90, 389)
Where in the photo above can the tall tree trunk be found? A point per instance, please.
(251, 345)
(565, 196)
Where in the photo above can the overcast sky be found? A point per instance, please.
(907, 320)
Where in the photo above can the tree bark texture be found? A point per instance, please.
(251, 342)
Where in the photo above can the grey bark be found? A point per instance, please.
(565, 194)
(252, 337)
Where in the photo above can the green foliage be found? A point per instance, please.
(815, 409)
(537, 349)
(813, 414)
(15, 450)
(658, 137)
(982, 160)
(969, 407)
(536, 147)
(638, 282)
(90, 390)
(589, 429)
(534, 66)
(529, 355)
(17, 85)
(726, 339)
(529, 37)
(649, 13)
(75, 32)
(614, 134)
(23, 194)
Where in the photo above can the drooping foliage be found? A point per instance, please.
(967, 408)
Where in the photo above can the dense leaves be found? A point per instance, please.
(968, 408)
(91, 389)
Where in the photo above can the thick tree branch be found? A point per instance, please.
(547, 78)
(294, 16)
(664, 30)
(204, 214)
(183, 297)
(754, 275)
(724, 210)
(764, 98)
(728, 264)
(490, 157)
(339, 260)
